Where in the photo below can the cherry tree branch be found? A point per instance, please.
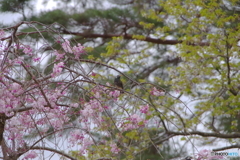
(131, 37)
(53, 150)
(105, 36)
(227, 147)
(206, 134)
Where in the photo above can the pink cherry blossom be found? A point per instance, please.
(37, 59)
(114, 148)
(2, 33)
(59, 56)
(78, 50)
(133, 122)
(92, 108)
(74, 105)
(144, 109)
(30, 155)
(97, 95)
(115, 93)
(135, 118)
(58, 39)
(57, 69)
(87, 142)
(16, 88)
(67, 47)
(76, 137)
(157, 92)
(106, 107)
(27, 50)
(93, 74)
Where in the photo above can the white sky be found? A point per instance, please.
(8, 18)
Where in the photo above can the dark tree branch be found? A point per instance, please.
(2, 125)
(131, 37)
(53, 150)
(105, 36)
(212, 125)
(205, 134)
(228, 147)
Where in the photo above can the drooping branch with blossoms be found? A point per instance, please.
(57, 96)
(36, 104)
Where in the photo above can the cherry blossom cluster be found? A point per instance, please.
(57, 69)
(157, 92)
(29, 102)
(30, 155)
(133, 122)
(93, 118)
(76, 50)
(10, 97)
(39, 103)
(114, 148)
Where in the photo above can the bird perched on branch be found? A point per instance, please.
(118, 83)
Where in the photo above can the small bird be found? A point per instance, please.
(118, 82)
